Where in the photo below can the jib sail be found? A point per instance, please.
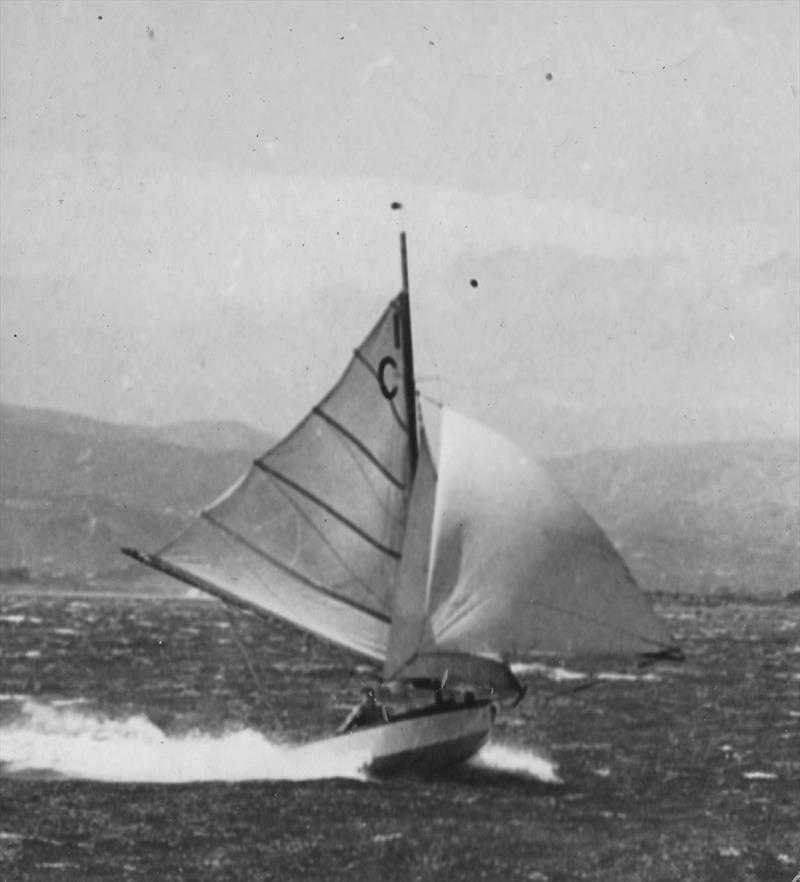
(514, 566)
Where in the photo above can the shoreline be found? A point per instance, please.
(109, 589)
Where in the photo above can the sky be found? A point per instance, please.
(195, 221)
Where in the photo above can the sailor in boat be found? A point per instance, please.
(443, 695)
(369, 713)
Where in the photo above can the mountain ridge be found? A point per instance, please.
(708, 518)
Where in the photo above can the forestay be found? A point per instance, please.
(513, 566)
(314, 532)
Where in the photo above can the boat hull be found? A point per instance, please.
(420, 741)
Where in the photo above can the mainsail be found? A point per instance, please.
(314, 532)
(513, 566)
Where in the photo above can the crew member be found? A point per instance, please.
(369, 713)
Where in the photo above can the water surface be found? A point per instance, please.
(157, 739)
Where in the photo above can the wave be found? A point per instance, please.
(516, 761)
(562, 675)
(59, 741)
(552, 672)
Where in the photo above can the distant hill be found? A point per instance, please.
(74, 489)
(553, 430)
(696, 518)
(700, 518)
(212, 437)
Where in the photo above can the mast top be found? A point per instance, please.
(404, 261)
(398, 206)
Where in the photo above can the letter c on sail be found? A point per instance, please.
(384, 363)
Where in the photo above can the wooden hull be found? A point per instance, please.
(426, 740)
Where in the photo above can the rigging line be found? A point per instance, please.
(295, 574)
(390, 552)
(368, 589)
(431, 400)
(245, 656)
(437, 371)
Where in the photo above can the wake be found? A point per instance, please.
(79, 744)
(64, 741)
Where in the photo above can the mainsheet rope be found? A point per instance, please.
(262, 692)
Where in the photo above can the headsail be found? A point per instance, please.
(314, 532)
(515, 565)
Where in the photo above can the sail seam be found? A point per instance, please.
(306, 518)
(329, 508)
(189, 578)
(309, 583)
(283, 442)
(361, 446)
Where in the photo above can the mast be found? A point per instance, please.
(408, 350)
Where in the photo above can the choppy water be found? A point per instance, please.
(135, 744)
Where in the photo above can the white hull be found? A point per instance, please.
(421, 741)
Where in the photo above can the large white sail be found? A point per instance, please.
(515, 567)
(314, 532)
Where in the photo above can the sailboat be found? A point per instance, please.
(440, 566)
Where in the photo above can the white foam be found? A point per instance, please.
(616, 676)
(68, 741)
(562, 675)
(18, 619)
(760, 776)
(517, 761)
(558, 674)
(77, 744)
